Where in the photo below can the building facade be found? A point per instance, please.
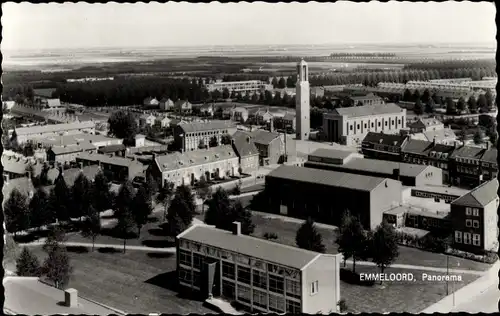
(302, 99)
(260, 275)
(187, 168)
(349, 126)
(475, 220)
(286, 122)
(247, 152)
(472, 166)
(39, 132)
(68, 153)
(189, 136)
(383, 146)
(117, 169)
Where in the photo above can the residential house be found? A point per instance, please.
(349, 126)
(260, 275)
(190, 136)
(151, 103)
(317, 92)
(269, 146)
(140, 140)
(444, 136)
(166, 104)
(18, 167)
(383, 146)
(116, 150)
(207, 109)
(305, 192)
(147, 120)
(247, 152)
(34, 133)
(183, 106)
(68, 153)
(263, 116)
(473, 165)
(163, 121)
(286, 122)
(118, 169)
(475, 220)
(363, 100)
(422, 125)
(187, 168)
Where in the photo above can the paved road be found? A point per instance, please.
(486, 302)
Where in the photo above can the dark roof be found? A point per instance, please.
(490, 155)
(111, 149)
(423, 147)
(329, 178)
(115, 160)
(68, 149)
(385, 139)
(193, 158)
(250, 246)
(244, 145)
(480, 196)
(331, 153)
(369, 110)
(209, 126)
(476, 153)
(263, 137)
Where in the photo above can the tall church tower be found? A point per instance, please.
(302, 106)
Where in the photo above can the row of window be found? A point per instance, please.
(468, 238)
(208, 133)
(372, 124)
(471, 211)
(471, 223)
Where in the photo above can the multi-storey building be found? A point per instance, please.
(286, 122)
(247, 152)
(239, 86)
(302, 192)
(271, 146)
(261, 275)
(189, 136)
(349, 126)
(475, 220)
(473, 165)
(116, 168)
(369, 99)
(187, 168)
(424, 125)
(39, 132)
(383, 146)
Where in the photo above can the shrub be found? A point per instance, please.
(354, 278)
(434, 243)
(236, 190)
(342, 306)
(27, 264)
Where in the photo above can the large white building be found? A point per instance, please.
(302, 106)
(349, 126)
(239, 86)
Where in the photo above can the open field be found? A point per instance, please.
(325, 66)
(135, 282)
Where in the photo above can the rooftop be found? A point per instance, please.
(423, 147)
(29, 296)
(73, 139)
(68, 149)
(18, 165)
(192, 158)
(480, 196)
(331, 153)
(441, 189)
(209, 126)
(384, 139)
(54, 128)
(263, 137)
(250, 246)
(111, 149)
(70, 175)
(107, 159)
(329, 178)
(369, 110)
(244, 144)
(473, 152)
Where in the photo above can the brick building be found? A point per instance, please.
(189, 136)
(247, 152)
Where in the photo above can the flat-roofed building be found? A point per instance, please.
(189, 136)
(39, 132)
(475, 220)
(187, 168)
(330, 156)
(239, 86)
(349, 126)
(408, 174)
(438, 192)
(118, 169)
(261, 275)
(324, 195)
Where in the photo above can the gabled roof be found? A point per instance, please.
(263, 137)
(53, 103)
(111, 149)
(368, 110)
(490, 156)
(68, 149)
(326, 177)
(422, 147)
(115, 160)
(244, 145)
(209, 126)
(54, 128)
(258, 248)
(193, 158)
(183, 104)
(384, 139)
(18, 165)
(424, 122)
(472, 152)
(480, 196)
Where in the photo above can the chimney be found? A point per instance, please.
(271, 125)
(81, 165)
(236, 228)
(395, 174)
(71, 298)
(98, 163)
(455, 144)
(434, 141)
(248, 139)
(487, 145)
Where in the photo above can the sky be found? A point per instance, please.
(83, 25)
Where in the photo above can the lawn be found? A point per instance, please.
(138, 282)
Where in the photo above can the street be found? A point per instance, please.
(487, 302)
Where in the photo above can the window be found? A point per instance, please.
(196, 279)
(276, 304)
(243, 294)
(314, 287)
(475, 212)
(468, 223)
(468, 211)
(228, 270)
(476, 241)
(259, 279)
(293, 288)
(458, 237)
(276, 284)
(185, 275)
(358, 126)
(350, 127)
(385, 123)
(475, 223)
(467, 238)
(292, 307)
(372, 125)
(228, 289)
(244, 275)
(197, 261)
(260, 299)
(185, 257)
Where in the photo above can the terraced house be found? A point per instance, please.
(473, 165)
(383, 146)
(118, 169)
(260, 275)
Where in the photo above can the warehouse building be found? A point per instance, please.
(324, 195)
(261, 275)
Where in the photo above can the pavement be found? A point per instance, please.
(486, 302)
